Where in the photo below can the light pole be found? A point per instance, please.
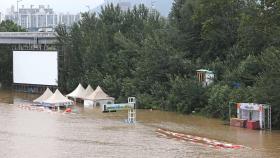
(153, 8)
(18, 14)
(88, 8)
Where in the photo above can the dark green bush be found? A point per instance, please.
(186, 95)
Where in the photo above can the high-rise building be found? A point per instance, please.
(36, 18)
(68, 19)
(124, 5)
(162, 6)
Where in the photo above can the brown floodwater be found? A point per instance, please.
(90, 133)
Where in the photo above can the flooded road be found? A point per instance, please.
(90, 133)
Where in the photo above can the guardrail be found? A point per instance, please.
(27, 37)
(28, 34)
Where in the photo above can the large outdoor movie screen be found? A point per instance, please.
(35, 67)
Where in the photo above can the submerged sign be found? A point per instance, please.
(111, 107)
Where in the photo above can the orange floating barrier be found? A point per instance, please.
(197, 139)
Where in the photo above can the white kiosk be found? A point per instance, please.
(254, 112)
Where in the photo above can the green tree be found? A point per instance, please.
(6, 76)
(186, 95)
(139, 53)
(219, 98)
(268, 84)
(10, 26)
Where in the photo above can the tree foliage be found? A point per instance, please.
(136, 52)
(139, 53)
(6, 53)
(10, 26)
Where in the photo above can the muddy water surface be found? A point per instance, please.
(90, 133)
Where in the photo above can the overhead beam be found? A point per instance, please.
(27, 37)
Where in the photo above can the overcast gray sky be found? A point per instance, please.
(71, 6)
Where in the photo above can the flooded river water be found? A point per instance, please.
(90, 133)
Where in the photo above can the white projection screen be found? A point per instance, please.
(35, 67)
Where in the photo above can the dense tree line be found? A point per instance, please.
(6, 77)
(139, 53)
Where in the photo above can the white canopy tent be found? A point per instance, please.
(46, 95)
(97, 98)
(89, 90)
(57, 99)
(79, 92)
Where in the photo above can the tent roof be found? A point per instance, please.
(88, 91)
(48, 93)
(204, 70)
(99, 94)
(57, 98)
(79, 92)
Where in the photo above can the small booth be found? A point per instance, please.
(98, 98)
(204, 76)
(251, 115)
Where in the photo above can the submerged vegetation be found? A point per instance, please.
(139, 53)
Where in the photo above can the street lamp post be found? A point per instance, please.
(18, 14)
(88, 8)
(153, 6)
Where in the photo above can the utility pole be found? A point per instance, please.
(88, 8)
(153, 8)
(18, 20)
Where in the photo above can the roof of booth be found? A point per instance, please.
(204, 70)
(57, 98)
(252, 106)
(47, 94)
(99, 94)
(79, 92)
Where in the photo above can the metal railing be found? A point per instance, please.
(27, 34)
(27, 37)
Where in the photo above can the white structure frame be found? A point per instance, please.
(130, 106)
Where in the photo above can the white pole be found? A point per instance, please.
(261, 118)
(270, 118)
(17, 14)
(238, 113)
(134, 115)
(229, 109)
(18, 19)
(128, 116)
